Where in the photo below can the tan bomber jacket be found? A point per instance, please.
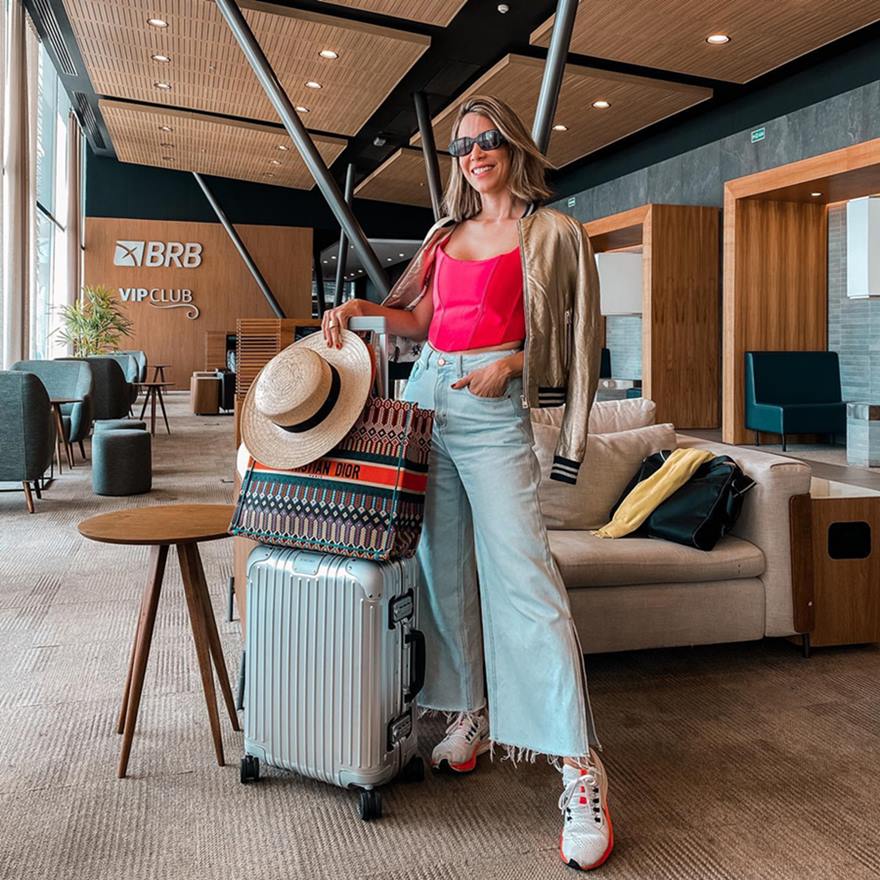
(561, 290)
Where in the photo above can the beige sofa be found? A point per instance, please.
(637, 593)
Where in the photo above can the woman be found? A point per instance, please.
(497, 346)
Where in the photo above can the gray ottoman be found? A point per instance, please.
(121, 463)
(119, 425)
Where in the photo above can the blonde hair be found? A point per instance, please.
(528, 166)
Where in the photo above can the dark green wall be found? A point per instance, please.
(117, 189)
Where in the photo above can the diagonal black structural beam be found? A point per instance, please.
(342, 253)
(554, 68)
(429, 150)
(299, 135)
(240, 247)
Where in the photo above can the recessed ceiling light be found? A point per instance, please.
(325, 261)
(164, 59)
(328, 53)
(275, 162)
(717, 39)
(815, 195)
(300, 109)
(166, 158)
(268, 174)
(503, 8)
(389, 259)
(601, 104)
(157, 22)
(332, 258)
(167, 145)
(560, 127)
(400, 255)
(166, 87)
(311, 84)
(283, 147)
(165, 128)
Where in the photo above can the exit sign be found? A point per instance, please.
(759, 134)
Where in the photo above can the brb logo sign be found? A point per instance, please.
(153, 254)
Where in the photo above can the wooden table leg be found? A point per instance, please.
(214, 636)
(146, 401)
(200, 636)
(27, 496)
(158, 557)
(141, 653)
(153, 391)
(59, 434)
(162, 404)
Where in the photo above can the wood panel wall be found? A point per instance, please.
(681, 325)
(775, 290)
(222, 287)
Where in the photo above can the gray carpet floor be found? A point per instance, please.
(736, 761)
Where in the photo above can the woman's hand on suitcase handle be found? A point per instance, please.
(336, 320)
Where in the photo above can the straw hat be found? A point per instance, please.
(306, 399)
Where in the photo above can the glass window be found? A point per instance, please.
(50, 288)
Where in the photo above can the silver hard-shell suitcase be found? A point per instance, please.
(333, 666)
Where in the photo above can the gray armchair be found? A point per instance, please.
(27, 431)
(67, 378)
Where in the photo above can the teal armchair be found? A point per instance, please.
(794, 392)
(112, 394)
(67, 378)
(27, 431)
(141, 358)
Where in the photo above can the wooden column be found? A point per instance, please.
(681, 315)
(681, 329)
(775, 290)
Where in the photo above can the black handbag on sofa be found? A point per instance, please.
(703, 510)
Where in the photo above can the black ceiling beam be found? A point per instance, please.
(612, 66)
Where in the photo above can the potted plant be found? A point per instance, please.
(95, 323)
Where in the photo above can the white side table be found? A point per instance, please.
(863, 434)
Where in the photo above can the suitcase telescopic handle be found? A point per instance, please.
(378, 327)
(416, 641)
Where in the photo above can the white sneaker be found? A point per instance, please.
(587, 836)
(466, 739)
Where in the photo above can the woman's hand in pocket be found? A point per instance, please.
(488, 381)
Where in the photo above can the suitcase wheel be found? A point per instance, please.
(414, 771)
(250, 769)
(370, 805)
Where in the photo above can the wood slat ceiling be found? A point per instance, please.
(208, 71)
(671, 34)
(209, 145)
(401, 179)
(635, 101)
(436, 12)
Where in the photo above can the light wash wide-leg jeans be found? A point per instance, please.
(494, 609)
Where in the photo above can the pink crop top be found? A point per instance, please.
(477, 303)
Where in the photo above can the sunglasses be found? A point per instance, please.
(486, 140)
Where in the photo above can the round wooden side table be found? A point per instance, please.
(184, 526)
(154, 392)
(159, 372)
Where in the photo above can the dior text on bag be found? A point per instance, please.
(364, 498)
